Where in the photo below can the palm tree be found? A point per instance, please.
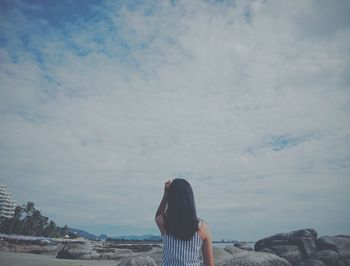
(29, 210)
(50, 230)
(42, 224)
(16, 217)
(64, 230)
(36, 217)
(33, 223)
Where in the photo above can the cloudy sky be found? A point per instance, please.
(102, 101)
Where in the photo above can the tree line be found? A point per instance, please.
(29, 221)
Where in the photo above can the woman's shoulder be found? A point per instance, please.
(203, 229)
(201, 223)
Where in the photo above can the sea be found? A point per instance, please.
(223, 245)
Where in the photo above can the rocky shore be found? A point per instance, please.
(296, 248)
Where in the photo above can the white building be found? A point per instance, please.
(7, 204)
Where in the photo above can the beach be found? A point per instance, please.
(301, 247)
(27, 259)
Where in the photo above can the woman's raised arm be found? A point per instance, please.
(161, 209)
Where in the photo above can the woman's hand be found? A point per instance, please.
(166, 187)
(161, 209)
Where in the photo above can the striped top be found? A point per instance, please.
(177, 252)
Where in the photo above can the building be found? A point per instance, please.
(7, 204)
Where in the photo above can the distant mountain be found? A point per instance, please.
(153, 238)
(86, 235)
(142, 237)
(103, 237)
(90, 236)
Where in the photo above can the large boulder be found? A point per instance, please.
(267, 250)
(244, 245)
(294, 246)
(156, 253)
(339, 244)
(138, 261)
(220, 254)
(312, 262)
(118, 254)
(292, 253)
(329, 257)
(64, 254)
(254, 259)
(308, 245)
(240, 257)
(78, 251)
(234, 251)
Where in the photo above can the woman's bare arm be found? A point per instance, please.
(162, 206)
(161, 209)
(207, 249)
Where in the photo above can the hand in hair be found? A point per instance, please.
(166, 187)
(162, 206)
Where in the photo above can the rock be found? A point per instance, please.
(64, 254)
(312, 262)
(339, 244)
(4, 243)
(329, 257)
(234, 250)
(117, 255)
(291, 253)
(220, 254)
(267, 250)
(304, 238)
(4, 249)
(78, 251)
(252, 258)
(156, 253)
(243, 245)
(138, 261)
(136, 248)
(294, 246)
(307, 245)
(243, 257)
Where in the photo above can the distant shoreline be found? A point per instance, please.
(300, 245)
(113, 240)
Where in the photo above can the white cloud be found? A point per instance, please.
(202, 90)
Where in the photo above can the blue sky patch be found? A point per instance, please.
(285, 142)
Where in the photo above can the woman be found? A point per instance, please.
(186, 239)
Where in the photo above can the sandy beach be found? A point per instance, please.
(27, 259)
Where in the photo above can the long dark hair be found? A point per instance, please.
(180, 217)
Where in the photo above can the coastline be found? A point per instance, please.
(300, 247)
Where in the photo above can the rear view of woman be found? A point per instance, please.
(186, 239)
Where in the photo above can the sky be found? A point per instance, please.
(101, 102)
